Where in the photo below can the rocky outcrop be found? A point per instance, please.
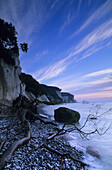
(52, 93)
(23, 92)
(68, 98)
(9, 79)
(66, 115)
(85, 102)
(41, 91)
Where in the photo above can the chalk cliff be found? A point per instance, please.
(13, 83)
(68, 98)
(9, 79)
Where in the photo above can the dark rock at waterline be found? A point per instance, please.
(92, 151)
(66, 115)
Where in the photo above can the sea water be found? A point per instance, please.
(101, 143)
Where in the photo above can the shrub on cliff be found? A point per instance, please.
(8, 42)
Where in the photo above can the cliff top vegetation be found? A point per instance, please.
(8, 42)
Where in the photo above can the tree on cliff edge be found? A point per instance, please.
(8, 42)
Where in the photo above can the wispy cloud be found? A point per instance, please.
(85, 83)
(79, 6)
(68, 16)
(96, 16)
(96, 37)
(92, 50)
(87, 87)
(51, 71)
(80, 83)
(54, 4)
(67, 21)
(98, 73)
(96, 95)
(106, 89)
(27, 16)
(14, 14)
(92, 43)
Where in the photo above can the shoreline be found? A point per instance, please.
(40, 159)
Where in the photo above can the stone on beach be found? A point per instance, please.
(66, 115)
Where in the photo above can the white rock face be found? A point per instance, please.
(9, 80)
(68, 98)
(22, 89)
(30, 96)
(43, 98)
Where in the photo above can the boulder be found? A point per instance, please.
(66, 115)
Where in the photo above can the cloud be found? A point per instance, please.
(39, 72)
(81, 83)
(96, 37)
(54, 4)
(96, 16)
(106, 88)
(67, 21)
(85, 83)
(98, 73)
(88, 88)
(51, 71)
(89, 52)
(79, 5)
(68, 16)
(92, 43)
(96, 95)
(27, 16)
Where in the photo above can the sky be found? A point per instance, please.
(70, 43)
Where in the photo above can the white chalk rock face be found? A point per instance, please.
(30, 96)
(9, 79)
(43, 98)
